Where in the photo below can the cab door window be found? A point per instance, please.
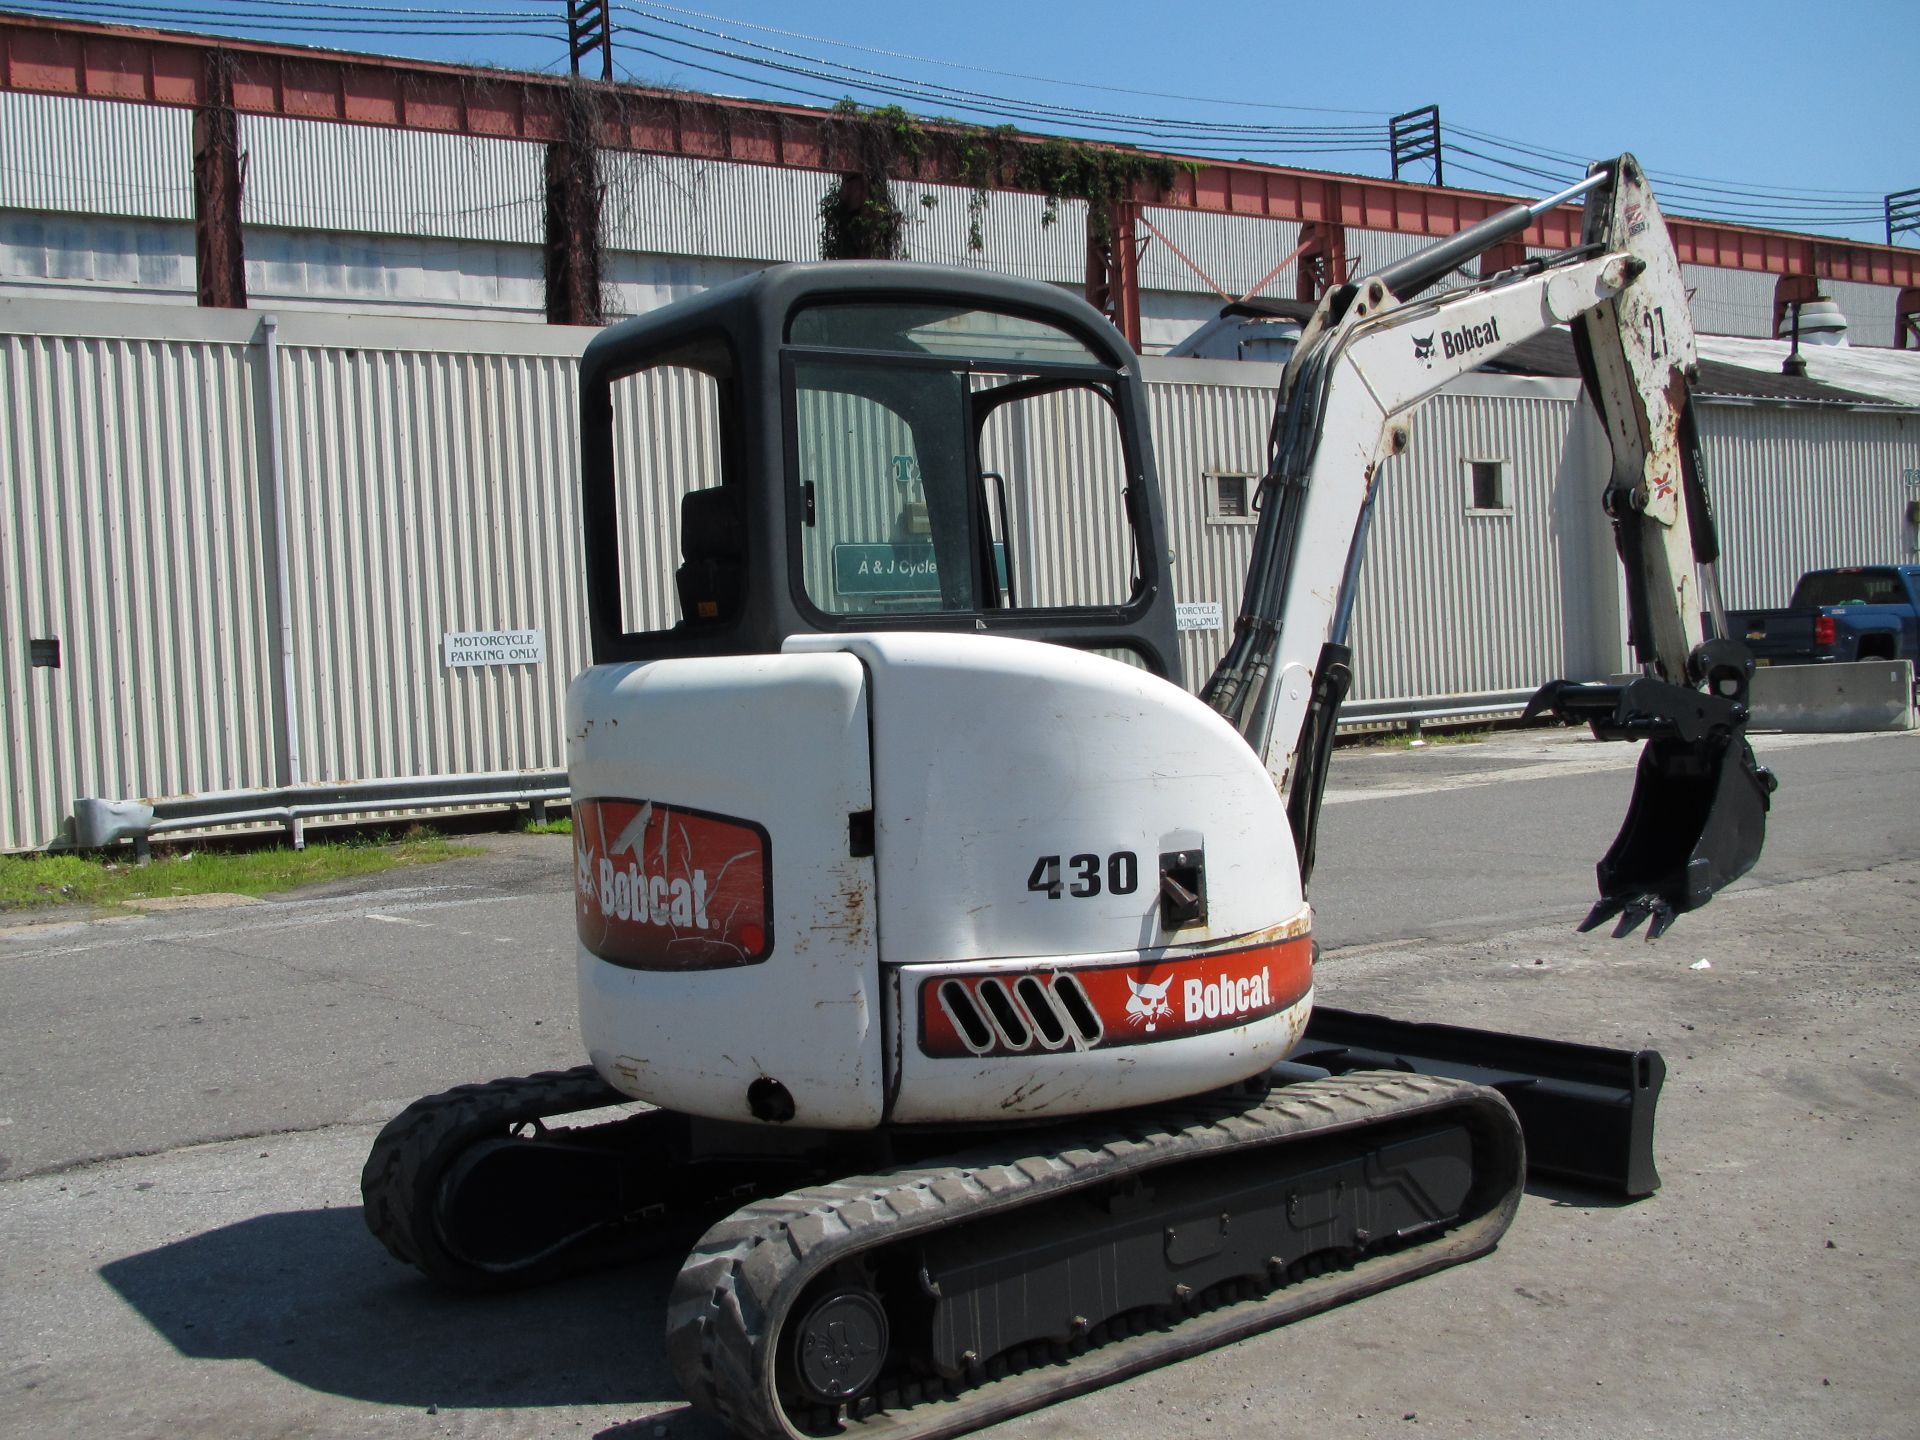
(889, 516)
(949, 461)
(1052, 456)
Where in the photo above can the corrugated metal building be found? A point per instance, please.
(96, 201)
(422, 475)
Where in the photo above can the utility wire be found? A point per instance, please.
(1679, 199)
(1579, 163)
(1502, 161)
(1012, 74)
(1369, 132)
(1361, 137)
(1000, 106)
(306, 19)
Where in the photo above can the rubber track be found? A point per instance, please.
(415, 1148)
(732, 1294)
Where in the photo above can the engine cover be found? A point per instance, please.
(924, 877)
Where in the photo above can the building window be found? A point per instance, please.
(1230, 499)
(1487, 487)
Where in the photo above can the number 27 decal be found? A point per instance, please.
(1655, 321)
(1121, 870)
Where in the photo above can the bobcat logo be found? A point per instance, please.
(1149, 1003)
(1423, 349)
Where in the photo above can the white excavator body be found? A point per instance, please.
(957, 952)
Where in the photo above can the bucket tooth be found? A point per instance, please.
(1604, 909)
(1648, 910)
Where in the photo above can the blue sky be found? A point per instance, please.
(1792, 114)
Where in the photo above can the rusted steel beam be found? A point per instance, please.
(573, 270)
(1503, 256)
(1322, 265)
(1113, 269)
(59, 57)
(220, 266)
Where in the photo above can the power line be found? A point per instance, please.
(883, 83)
(1002, 107)
(776, 67)
(1013, 74)
(307, 18)
(1671, 179)
(1679, 198)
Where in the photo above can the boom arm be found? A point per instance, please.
(1368, 358)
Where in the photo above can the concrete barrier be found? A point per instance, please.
(1834, 699)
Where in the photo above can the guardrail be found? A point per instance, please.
(98, 823)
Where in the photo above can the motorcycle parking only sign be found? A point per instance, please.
(463, 648)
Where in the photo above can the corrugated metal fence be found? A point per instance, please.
(428, 486)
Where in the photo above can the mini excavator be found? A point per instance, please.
(961, 958)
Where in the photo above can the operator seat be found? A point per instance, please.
(713, 550)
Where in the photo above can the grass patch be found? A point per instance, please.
(1404, 739)
(32, 880)
(563, 825)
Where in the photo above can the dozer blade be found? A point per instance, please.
(1585, 1111)
(1698, 816)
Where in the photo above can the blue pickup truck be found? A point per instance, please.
(1862, 612)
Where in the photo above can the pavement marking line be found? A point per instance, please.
(424, 925)
(1617, 755)
(1440, 784)
(256, 923)
(207, 900)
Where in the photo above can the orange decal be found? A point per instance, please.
(660, 888)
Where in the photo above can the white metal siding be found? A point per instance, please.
(1451, 602)
(129, 531)
(1797, 488)
(1235, 251)
(431, 480)
(315, 270)
(633, 284)
(96, 257)
(1016, 237)
(314, 175)
(95, 157)
(1201, 430)
(1869, 311)
(429, 492)
(1729, 302)
(666, 443)
(1067, 485)
(1455, 601)
(671, 205)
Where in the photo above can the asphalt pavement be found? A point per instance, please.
(185, 1100)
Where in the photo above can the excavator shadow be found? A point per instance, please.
(1562, 1196)
(309, 1295)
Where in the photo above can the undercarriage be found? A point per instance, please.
(971, 1275)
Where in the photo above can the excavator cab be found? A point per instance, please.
(858, 448)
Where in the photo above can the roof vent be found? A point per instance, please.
(1821, 323)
